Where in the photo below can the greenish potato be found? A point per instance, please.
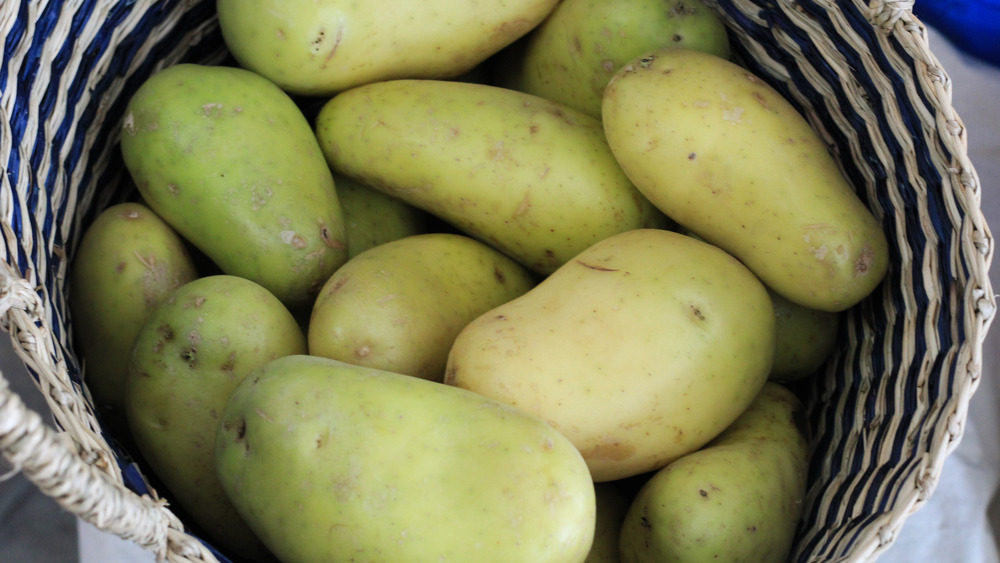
(640, 350)
(330, 461)
(532, 178)
(805, 339)
(573, 54)
(230, 162)
(319, 48)
(722, 153)
(372, 217)
(737, 500)
(127, 262)
(399, 306)
(188, 357)
(613, 502)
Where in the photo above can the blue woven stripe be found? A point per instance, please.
(869, 489)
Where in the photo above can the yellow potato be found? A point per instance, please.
(398, 307)
(530, 177)
(641, 349)
(728, 158)
(736, 500)
(320, 47)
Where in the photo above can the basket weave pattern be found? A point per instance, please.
(888, 409)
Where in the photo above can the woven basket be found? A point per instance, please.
(889, 407)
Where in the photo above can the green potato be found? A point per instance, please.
(529, 177)
(230, 162)
(372, 217)
(188, 358)
(640, 350)
(736, 500)
(573, 54)
(399, 306)
(723, 154)
(805, 339)
(127, 262)
(319, 48)
(330, 461)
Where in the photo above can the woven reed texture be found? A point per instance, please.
(888, 409)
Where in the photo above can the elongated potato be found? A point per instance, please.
(330, 461)
(530, 177)
(724, 155)
(323, 47)
(230, 162)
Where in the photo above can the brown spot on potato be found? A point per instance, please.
(596, 267)
(864, 262)
(363, 351)
(613, 451)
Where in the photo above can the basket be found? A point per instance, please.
(886, 410)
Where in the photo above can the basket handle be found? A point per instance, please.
(53, 461)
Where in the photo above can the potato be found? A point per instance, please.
(573, 54)
(188, 357)
(127, 262)
(318, 48)
(805, 339)
(372, 218)
(228, 160)
(728, 158)
(529, 177)
(736, 500)
(329, 461)
(399, 306)
(641, 349)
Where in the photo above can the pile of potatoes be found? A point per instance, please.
(433, 282)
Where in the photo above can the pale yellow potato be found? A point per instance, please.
(736, 500)
(530, 177)
(320, 47)
(728, 158)
(330, 461)
(641, 349)
(399, 306)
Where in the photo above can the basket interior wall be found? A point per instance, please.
(888, 406)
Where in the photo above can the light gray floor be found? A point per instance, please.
(33, 528)
(957, 525)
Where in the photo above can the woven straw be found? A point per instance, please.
(887, 410)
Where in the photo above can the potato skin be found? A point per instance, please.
(189, 356)
(738, 499)
(530, 177)
(728, 158)
(128, 261)
(399, 306)
(319, 48)
(230, 162)
(570, 57)
(329, 461)
(372, 218)
(641, 349)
